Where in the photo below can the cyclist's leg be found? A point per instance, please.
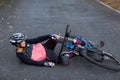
(65, 57)
(51, 55)
(70, 54)
(50, 44)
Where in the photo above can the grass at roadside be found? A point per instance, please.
(113, 3)
(2, 2)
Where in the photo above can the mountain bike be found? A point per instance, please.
(89, 50)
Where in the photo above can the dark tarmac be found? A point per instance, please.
(38, 17)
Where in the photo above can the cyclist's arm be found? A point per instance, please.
(38, 39)
(27, 60)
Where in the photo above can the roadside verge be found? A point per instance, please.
(2, 2)
(112, 4)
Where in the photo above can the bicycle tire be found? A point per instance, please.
(65, 35)
(92, 60)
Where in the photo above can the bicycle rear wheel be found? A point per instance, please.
(102, 59)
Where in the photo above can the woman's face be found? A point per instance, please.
(23, 44)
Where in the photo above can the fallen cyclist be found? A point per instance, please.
(34, 52)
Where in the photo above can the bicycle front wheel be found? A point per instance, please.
(102, 59)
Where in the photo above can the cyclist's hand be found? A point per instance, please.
(55, 36)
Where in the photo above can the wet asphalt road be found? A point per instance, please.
(38, 17)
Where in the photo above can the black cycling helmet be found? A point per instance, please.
(16, 38)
